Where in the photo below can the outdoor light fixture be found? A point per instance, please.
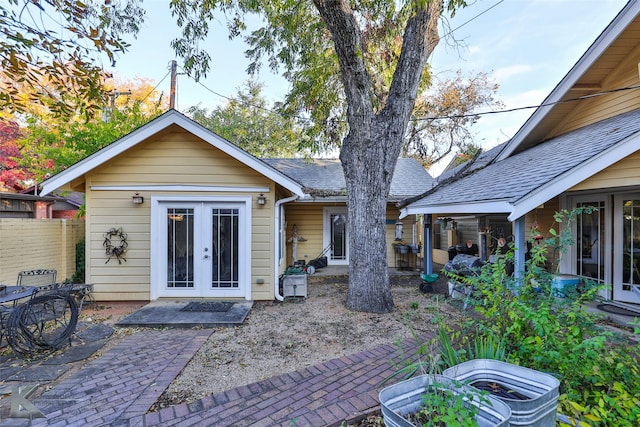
(261, 199)
(137, 199)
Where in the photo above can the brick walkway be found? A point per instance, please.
(118, 388)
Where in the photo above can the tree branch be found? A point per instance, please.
(342, 24)
(420, 38)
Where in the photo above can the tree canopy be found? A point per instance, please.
(40, 144)
(355, 69)
(61, 42)
(249, 122)
(444, 115)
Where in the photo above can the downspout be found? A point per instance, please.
(276, 248)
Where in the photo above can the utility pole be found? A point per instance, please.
(106, 112)
(172, 93)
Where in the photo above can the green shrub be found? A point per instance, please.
(597, 368)
(78, 275)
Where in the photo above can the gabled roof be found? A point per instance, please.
(166, 120)
(325, 177)
(612, 46)
(319, 178)
(525, 180)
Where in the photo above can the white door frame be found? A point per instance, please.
(158, 263)
(607, 258)
(619, 293)
(326, 233)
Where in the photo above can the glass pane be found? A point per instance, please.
(225, 248)
(180, 248)
(339, 236)
(591, 238)
(631, 242)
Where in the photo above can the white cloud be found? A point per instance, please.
(505, 73)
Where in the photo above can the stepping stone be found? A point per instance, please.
(75, 353)
(39, 373)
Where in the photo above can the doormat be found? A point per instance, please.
(614, 309)
(208, 306)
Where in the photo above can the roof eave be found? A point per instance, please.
(479, 207)
(575, 176)
(604, 40)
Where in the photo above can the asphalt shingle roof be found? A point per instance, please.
(514, 177)
(326, 175)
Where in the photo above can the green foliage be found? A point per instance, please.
(456, 347)
(563, 238)
(448, 405)
(79, 274)
(49, 147)
(50, 50)
(598, 369)
(292, 38)
(248, 122)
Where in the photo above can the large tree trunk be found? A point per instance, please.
(367, 188)
(370, 151)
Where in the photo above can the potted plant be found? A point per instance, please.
(531, 395)
(562, 284)
(436, 400)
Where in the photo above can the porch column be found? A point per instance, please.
(428, 245)
(520, 248)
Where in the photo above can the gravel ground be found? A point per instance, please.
(280, 337)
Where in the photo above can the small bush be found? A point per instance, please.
(78, 275)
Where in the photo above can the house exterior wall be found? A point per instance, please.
(177, 159)
(602, 107)
(621, 174)
(309, 218)
(29, 244)
(543, 216)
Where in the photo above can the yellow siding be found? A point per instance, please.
(176, 158)
(543, 215)
(29, 244)
(309, 219)
(601, 107)
(621, 174)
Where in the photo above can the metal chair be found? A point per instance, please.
(38, 277)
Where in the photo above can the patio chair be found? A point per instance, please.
(41, 278)
(45, 280)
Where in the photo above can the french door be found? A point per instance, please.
(626, 284)
(591, 238)
(202, 249)
(335, 234)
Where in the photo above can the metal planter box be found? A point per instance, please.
(541, 389)
(405, 397)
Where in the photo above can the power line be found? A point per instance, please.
(474, 18)
(547, 104)
(453, 116)
(156, 87)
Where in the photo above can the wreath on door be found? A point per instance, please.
(115, 244)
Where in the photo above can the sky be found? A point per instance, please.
(526, 46)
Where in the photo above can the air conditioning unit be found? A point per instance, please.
(295, 285)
